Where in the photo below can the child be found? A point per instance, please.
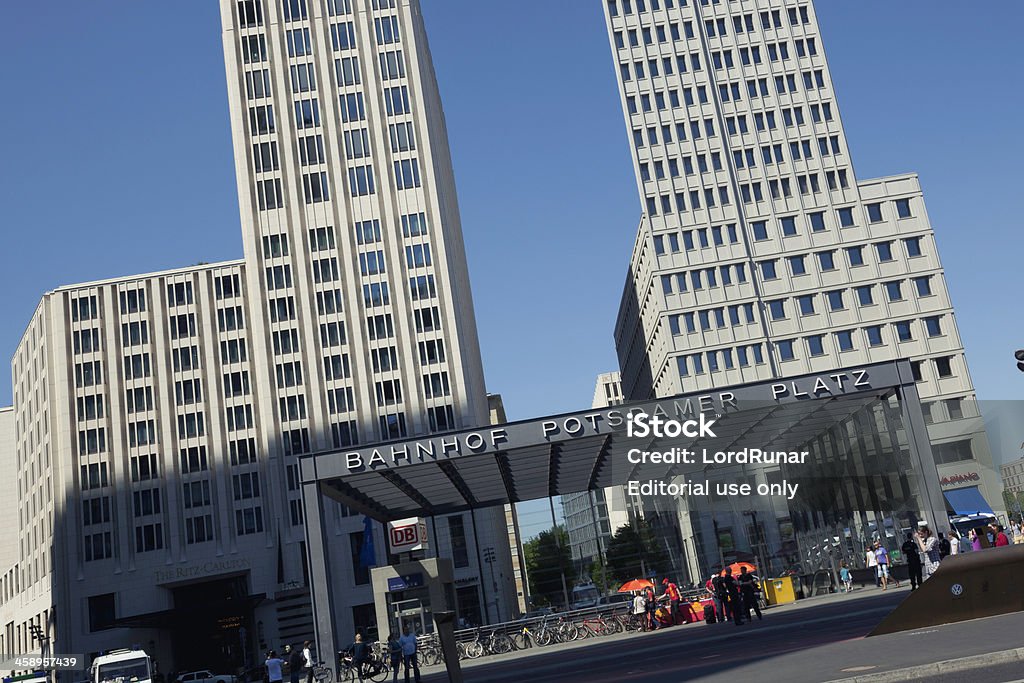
(846, 577)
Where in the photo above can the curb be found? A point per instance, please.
(940, 668)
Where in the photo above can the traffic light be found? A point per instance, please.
(1019, 355)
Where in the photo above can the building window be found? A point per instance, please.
(249, 521)
(933, 325)
(874, 213)
(149, 537)
(360, 573)
(102, 612)
(845, 340)
(457, 535)
(903, 208)
(785, 348)
(944, 366)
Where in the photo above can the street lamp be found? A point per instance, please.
(489, 559)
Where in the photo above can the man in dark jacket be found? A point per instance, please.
(733, 594)
(913, 555)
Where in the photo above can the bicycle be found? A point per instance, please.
(597, 626)
(374, 668)
(321, 673)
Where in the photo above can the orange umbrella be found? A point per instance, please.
(735, 567)
(635, 585)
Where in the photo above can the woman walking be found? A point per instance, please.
(929, 551)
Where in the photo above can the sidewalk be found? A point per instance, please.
(698, 630)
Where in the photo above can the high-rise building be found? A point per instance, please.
(760, 254)
(593, 517)
(158, 419)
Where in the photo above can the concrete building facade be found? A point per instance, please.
(760, 254)
(158, 419)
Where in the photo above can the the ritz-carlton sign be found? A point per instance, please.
(568, 427)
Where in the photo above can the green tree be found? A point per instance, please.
(634, 552)
(548, 564)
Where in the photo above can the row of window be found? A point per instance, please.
(741, 23)
(654, 68)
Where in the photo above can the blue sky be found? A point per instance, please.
(116, 160)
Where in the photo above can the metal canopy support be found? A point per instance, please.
(354, 499)
(317, 544)
(599, 460)
(408, 489)
(554, 460)
(458, 482)
(501, 459)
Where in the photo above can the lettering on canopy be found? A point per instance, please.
(613, 420)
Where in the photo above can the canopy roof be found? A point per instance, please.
(496, 464)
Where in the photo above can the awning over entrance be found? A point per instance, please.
(444, 473)
(967, 501)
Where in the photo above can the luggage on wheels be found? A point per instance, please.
(709, 614)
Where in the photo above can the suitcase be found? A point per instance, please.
(709, 614)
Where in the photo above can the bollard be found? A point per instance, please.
(446, 635)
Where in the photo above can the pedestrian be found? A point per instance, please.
(395, 654)
(913, 555)
(732, 593)
(672, 593)
(748, 584)
(274, 667)
(846, 576)
(721, 596)
(1018, 534)
(408, 643)
(651, 603)
(871, 561)
(1000, 538)
(954, 542)
(295, 663)
(945, 549)
(929, 548)
(307, 656)
(975, 536)
(882, 566)
(359, 655)
(640, 609)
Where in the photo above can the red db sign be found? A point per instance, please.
(405, 535)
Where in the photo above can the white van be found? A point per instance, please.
(122, 666)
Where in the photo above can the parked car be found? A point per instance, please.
(205, 676)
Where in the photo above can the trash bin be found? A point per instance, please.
(779, 591)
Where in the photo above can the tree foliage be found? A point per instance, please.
(548, 562)
(634, 552)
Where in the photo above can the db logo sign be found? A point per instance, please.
(405, 535)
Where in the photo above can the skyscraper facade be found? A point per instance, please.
(760, 254)
(158, 419)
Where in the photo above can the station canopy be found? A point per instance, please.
(587, 450)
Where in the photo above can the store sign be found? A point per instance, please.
(202, 570)
(406, 535)
(401, 583)
(959, 478)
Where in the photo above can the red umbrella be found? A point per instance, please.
(735, 567)
(635, 585)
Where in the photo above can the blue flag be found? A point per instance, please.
(367, 557)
